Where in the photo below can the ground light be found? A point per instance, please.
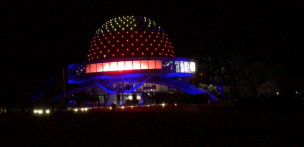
(84, 109)
(175, 104)
(40, 111)
(81, 109)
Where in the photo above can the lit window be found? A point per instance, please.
(136, 64)
(121, 65)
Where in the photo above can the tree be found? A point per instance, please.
(260, 78)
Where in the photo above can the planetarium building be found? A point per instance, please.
(130, 58)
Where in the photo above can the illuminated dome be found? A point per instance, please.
(131, 59)
(130, 36)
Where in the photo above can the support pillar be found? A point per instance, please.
(118, 100)
(134, 101)
(143, 95)
(123, 99)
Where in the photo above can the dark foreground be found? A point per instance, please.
(186, 125)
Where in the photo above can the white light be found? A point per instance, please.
(175, 104)
(148, 105)
(277, 93)
(131, 106)
(86, 109)
(35, 111)
(296, 91)
(40, 111)
(110, 108)
(163, 104)
(122, 107)
(47, 111)
(76, 110)
(192, 67)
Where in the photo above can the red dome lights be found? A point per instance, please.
(133, 35)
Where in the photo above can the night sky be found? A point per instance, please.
(38, 38)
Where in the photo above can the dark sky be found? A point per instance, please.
(37, 36)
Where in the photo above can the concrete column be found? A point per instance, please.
(123, 99)
(118, 100)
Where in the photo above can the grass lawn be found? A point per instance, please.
(188, 125)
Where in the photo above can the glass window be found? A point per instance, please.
(121, 65)
(144, 64)
(93, 68)
(88, 69)
(106, 66)
(136, 64)
(158, 64)
(128, 65)
(182, 66)
(113, 66)
(99, 67)
(186, 65)
(192, 67)
(177, 66)
(151, 64)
